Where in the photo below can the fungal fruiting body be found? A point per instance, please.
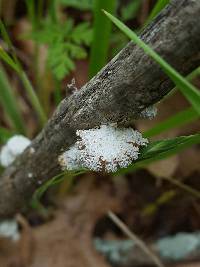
(14, 147)
(103, 149)
(149, 113)
(9, 229)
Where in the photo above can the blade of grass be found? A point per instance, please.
(183, 186)
(5, 134)
(189, 90)
(163, 148)
(33, 98)
(130, 10)
(8, 41)
(15, 64)
(181, 118)
(168, 196)
(9, 102)
(152, 208)
(193, 74)
(160, 150)
(101, 36)
(6, 58)
(53, 181)
(57, 91)
(160, 4)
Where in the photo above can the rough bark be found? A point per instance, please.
(118, 93)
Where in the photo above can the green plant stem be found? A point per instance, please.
(57, 91)
(189, 91)
(9, 102)
(101, 36)
(16, 65)
(181, 118)
(5, 134)
(159, 150)
(53, 10)
(183, 186)
(33, 97)
(160, 4)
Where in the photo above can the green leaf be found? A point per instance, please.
(160, 4)
(82, 34)
(76, 51)
(82, 5)
(101, 36)
(6, 58)
(181, 118)
(59, 60)
(53, 181)
(65, 44)
(130, 10)
(161, 149)
(9, 102)
(189, 90)
(15, 64)
(5, 134)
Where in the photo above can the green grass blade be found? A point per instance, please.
(195, 73)
(53, 181)
(5, 134)
(82, 5)
(33, 98)
(9, 103)
(101, 36)
(160, 4)
(6, 58)
(8, 41)
(181, 118)
(5, 35)
(15, 64)
(162, 149)
(186, 188)
(189, 90)
(130, 10)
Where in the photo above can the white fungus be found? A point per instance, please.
(149, 113)
(103, 149)
(30, 175)
(32, 150)
(9, 229)
(14, 147)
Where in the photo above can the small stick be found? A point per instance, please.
(136, 239)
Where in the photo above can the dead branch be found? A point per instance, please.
(118, 93)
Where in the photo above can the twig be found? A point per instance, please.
(118, 93)
(136, 239)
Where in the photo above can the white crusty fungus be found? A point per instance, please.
(9, 229)
(149, 113)
(103, 149)
(14, 147)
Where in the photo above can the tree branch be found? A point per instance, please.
(118, 93)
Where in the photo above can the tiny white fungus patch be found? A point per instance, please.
(32, 150)
(103, 149)
(30, 175)
(14, 147)
(9, 229)
(149, 113)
